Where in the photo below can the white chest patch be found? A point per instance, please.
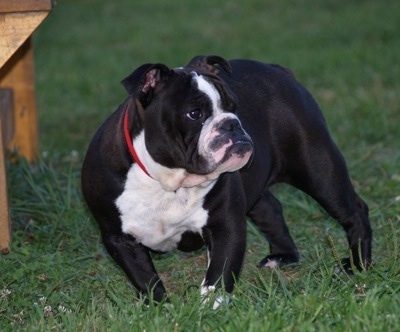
(157, 218)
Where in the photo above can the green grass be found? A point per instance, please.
(58, 276)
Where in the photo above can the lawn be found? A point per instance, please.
(58, 275)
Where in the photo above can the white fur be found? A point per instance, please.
(206, 294)
(158, 218)
(210, 91)
(272, 264)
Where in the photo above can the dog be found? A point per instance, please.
(190, 155)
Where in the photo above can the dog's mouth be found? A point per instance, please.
(245, 150)
(241, 147)
(237, 146)
(232, 156)
(239, 152)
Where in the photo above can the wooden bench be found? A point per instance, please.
(18, 123)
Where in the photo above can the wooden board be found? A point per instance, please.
(15, 30)
(5, 231)
(8, 6)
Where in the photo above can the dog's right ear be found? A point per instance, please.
(208, 62)
(144, 80)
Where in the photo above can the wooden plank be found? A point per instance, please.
(5, 224)
(15, 29)
(18, 74)
(8, 6)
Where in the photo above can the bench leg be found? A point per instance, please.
(18, 75)
(5, 225)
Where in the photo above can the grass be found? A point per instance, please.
(58, 276)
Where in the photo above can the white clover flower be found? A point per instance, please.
(4, 294)
(48, 311)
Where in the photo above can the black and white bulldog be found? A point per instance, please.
(191, 153)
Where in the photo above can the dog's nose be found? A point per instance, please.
(230, 125)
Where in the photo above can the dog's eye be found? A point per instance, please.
(195, 114)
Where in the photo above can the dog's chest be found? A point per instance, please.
(158, 218)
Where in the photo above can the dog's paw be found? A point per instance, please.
(274, 261)
(344, 267)
(208, 293)
(349, 267)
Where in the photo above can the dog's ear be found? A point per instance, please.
(145, 79)
(208, 63)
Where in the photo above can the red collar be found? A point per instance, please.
(129, 142)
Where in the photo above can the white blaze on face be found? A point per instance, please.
(206, 87)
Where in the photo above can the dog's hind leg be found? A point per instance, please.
(328, 182)
(267, 215)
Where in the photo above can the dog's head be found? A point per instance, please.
(189, 124)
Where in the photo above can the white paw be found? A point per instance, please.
(208, 294)
(271, 264)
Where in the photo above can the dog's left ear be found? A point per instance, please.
(145, 78)
(208, 63)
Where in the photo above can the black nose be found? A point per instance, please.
(229, 125)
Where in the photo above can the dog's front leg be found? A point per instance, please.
(226, 245)
(137, 264)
